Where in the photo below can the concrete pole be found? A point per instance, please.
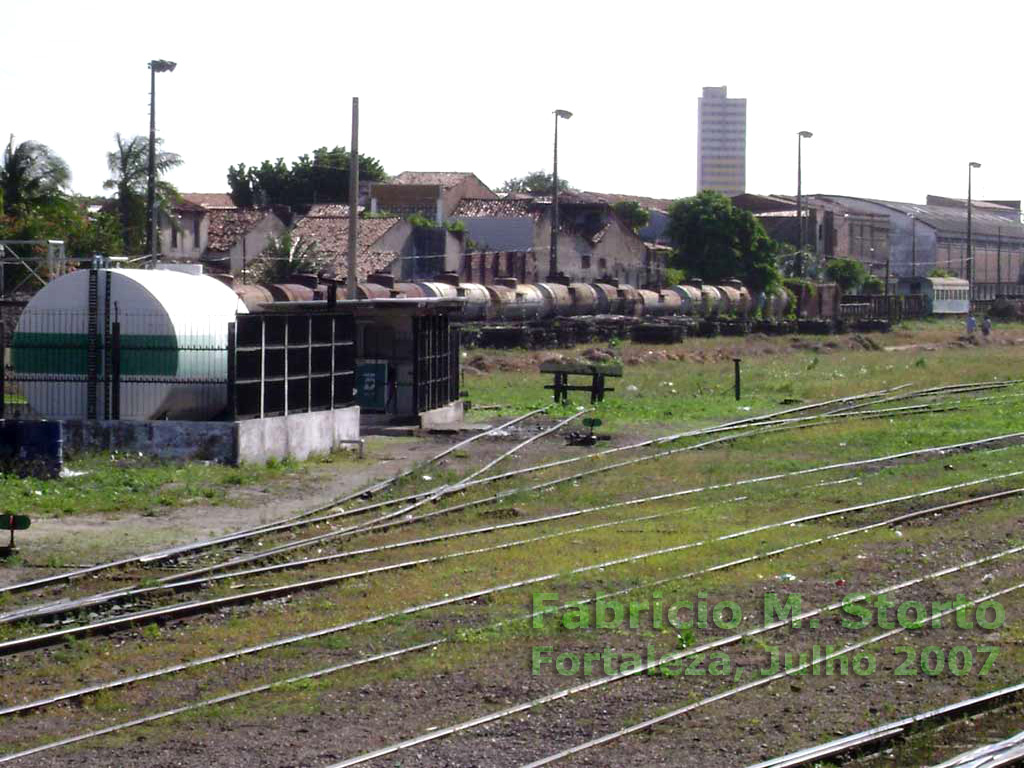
(151, 180)
(353, 203)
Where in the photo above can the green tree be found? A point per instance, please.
(32, 175)
(285, 257)
(322, 178)
(715, 241)
(848, 274)
(536, 183)
(129, 176)
(633, 214)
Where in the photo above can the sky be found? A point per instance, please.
(900, 95)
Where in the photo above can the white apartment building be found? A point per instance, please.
(721, 142)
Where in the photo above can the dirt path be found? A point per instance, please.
(83, 539)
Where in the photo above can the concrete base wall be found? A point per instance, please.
(297, 436)
(445, 417)
(182, 440)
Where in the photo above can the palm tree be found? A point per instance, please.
(129, 172)
(32, 175)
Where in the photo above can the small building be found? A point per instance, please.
(237, 237)
(593, 241)
(432, 194)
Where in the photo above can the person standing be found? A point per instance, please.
(972, 324)
(986, 326)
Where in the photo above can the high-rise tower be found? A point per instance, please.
(721, 142)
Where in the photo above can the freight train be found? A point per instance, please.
(508, 300)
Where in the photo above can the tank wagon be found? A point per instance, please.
(508, 300)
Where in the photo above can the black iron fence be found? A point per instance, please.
(142, 366)
(290, 363)
(79, 365)
(436, 362)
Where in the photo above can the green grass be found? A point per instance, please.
(119, 482)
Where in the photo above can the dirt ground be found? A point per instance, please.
(110, 536)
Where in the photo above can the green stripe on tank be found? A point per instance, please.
(68, 353)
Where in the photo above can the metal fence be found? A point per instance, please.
(290, 363)
(141, 366)
(436, 362)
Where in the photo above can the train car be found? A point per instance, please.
(584, 299)
(942, 295)
(691, 299)
(559, 298)
(735, 298)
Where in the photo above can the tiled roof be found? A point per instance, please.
(227, 226)
(651, 203)
(210, 199)
(332, 210)
(330, 234)
(446, 179)
(187, 205)
(505, 208)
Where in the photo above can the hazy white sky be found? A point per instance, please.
(900, 95)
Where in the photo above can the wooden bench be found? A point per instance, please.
(596, 371)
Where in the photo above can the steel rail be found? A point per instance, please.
(352, 529)
(258, 530)
(93, 601)
(502, 495)
(1006, 752)
(758, 529)
(216, 700)
(883, 733)
(650, 723)
(193, 607)
(303, 518)
(564, 693)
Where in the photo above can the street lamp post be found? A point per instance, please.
(799, 200)
(970, 263)
(553, 255)
(157, 65)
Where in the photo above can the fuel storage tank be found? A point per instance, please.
(174, 330)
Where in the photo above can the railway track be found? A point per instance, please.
(214, 604)
(385, 524)
(559, 695)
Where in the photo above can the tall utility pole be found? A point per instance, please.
(799, 201)
(553, 255)
(970, 264)
(353, 204)
(157, 65)
(913, 245)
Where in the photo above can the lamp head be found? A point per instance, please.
(975, 165)
(162, 65)
(563, 113)
(805, 134)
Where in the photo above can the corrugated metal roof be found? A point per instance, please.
(944, 219)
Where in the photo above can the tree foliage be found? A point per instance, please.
(129, 176)
(322, 178)
(848, 274)
(284, 257)
(715, 241)
(537, 183)
(633, 214)
(32, 175)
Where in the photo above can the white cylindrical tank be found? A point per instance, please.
(174, 331)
